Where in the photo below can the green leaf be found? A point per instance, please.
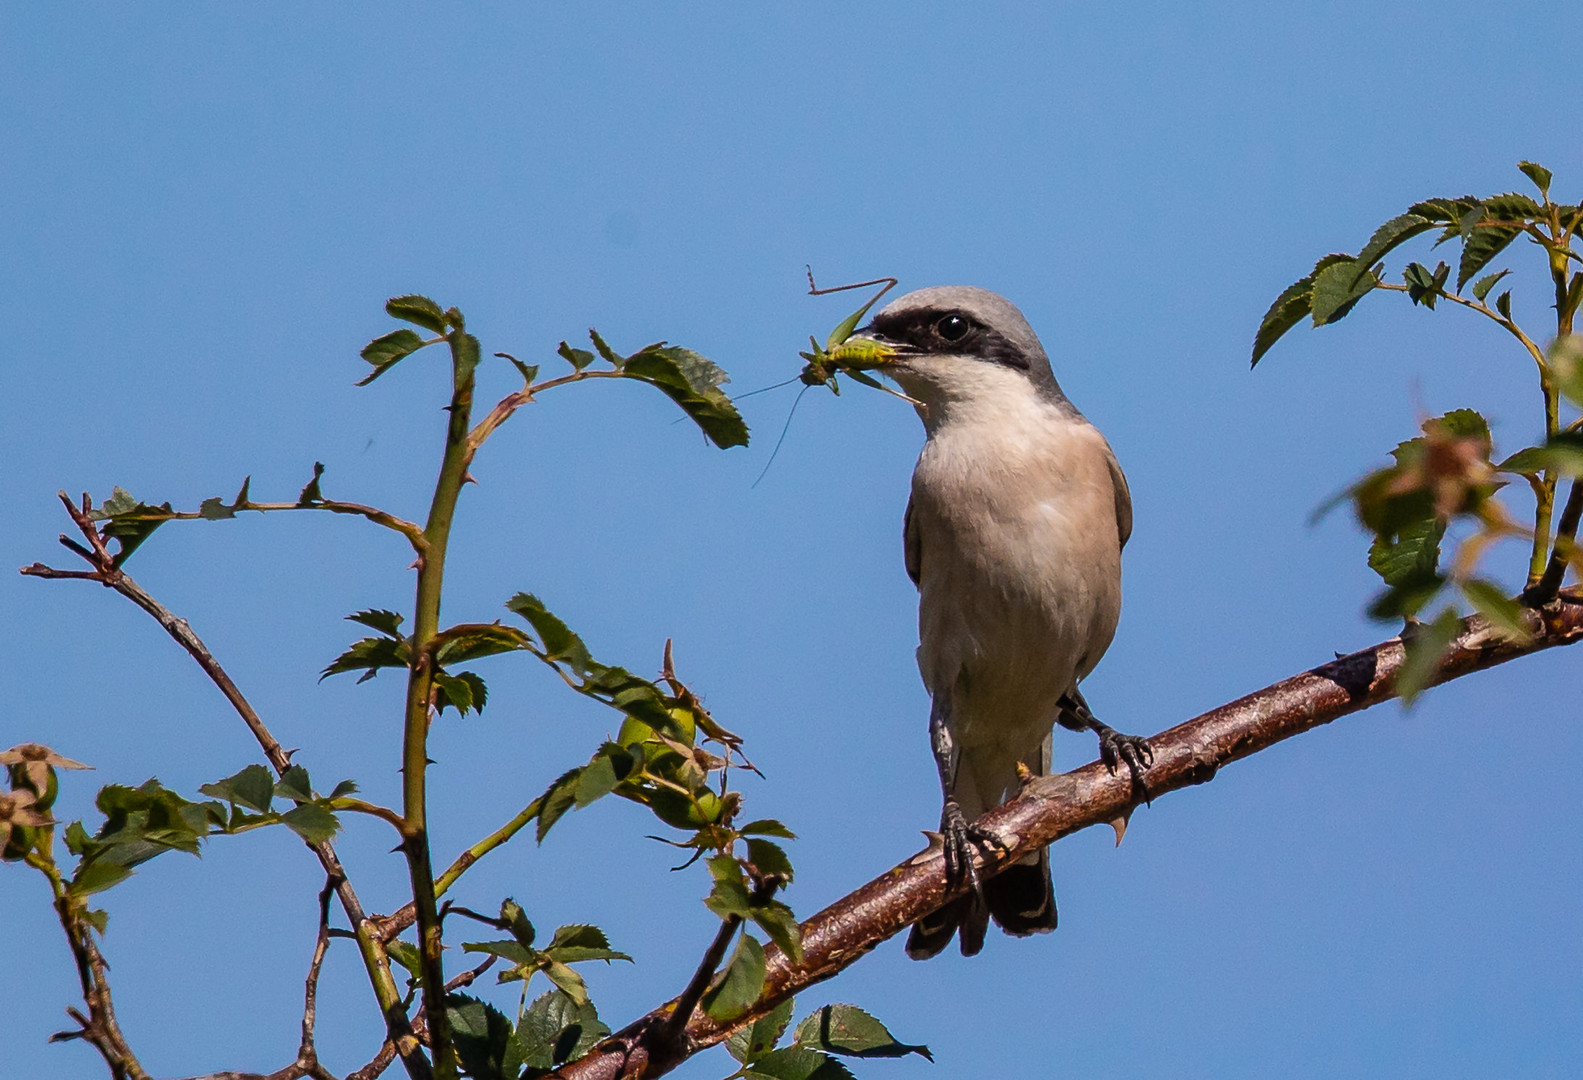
(253, 787)
(386, 622)
(529, 372)
(613, 358)
(129, 521)
(1444, 211)
(312, 822)
(344, 788)
(1424, 650)
(483, 1038)
(1337, 288)
(797, 1063)
(578, 942)
(848, 1030)
(767, 827)
(418, 310)
(730, 895)
(97, 876)
(556, 639)
(1425, 286)
(294, 784)
(1290, 308)
(1466, 423)
(311, 494)
(559, 798)
(516, 921)
(1392, 234)
(1483, 240)
(578, 358)
(1529, 461)
(471, 641)
(522, 957)
(1482, 287)
(568, 981)
(694, 384)
(1563, 453)
(769, 859)
(465, 354)
(747, 1044)
(462, 691)
(1412, 556)
(1503, 304)
(407, 955)
(556, 1029)
(777, 920)
(385, 352)
(1504, 614)
(1538, 174)
(370, 655)
(737, 985)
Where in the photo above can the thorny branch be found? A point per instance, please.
(387, 1053)
(1050, 808)
(113, 577)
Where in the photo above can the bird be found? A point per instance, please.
(1013, 535)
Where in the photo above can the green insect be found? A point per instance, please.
(840, 354)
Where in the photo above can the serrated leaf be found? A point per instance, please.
(1482, 287)
(578, 358)
(386, 622)
(407, 955)
(737, 985)
(848, 1030)
(344, 788)
(555, 1029)
(556, 639)
(1529, 461)
(1337, 288)
(1412, 558)
(462, 691)
(556, 800)
(568, 981)
(483, 1038)
(729, 895)
(1483, 241)
(529, 372)
(472, 641)
(613, 358)
(418, 310)
(311, 494)
(767, 827)
(1424, 650)
(693, 382)
(465, 354)
(797, 1063)
(1505, 614)
(253, 787)
(215, 509)
(611, 765)
(778, 921)
(370, 655)
(1391, 235)
(312, 822)
(1466, 423)
(129, 521)
(1291, 307)
(294, 784)
(386, 351)
(749, 1043)
(97, 876)
(769, 859)
(1538, 174)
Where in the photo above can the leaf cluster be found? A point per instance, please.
(818, 1042)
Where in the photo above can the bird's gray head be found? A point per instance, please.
(957, 342)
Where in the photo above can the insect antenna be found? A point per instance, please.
(782, 439)
(763, 389)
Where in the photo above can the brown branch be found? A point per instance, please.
(1050, 808)
(111, 576)
(99, 1027)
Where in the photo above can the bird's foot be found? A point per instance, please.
(1115, 748)
(960, 838)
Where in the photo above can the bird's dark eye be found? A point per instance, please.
(952, 328)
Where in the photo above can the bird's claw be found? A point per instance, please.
(960, 837)
(1115, 748)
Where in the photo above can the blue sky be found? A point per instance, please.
(204, 208)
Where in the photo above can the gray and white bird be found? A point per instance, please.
(1013, 536)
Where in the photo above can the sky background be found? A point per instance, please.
(202, 210)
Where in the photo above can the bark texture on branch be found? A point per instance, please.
(1056, 806)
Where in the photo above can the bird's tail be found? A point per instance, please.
(1021, 900)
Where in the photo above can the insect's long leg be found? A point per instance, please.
(782, 439)
(814, 290)
(763, 390)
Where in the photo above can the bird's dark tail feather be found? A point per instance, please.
(1021, 899)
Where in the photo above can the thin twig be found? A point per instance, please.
(108, 574)
(1560, 555)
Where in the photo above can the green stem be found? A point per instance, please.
(420, 686)
(484, 847)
